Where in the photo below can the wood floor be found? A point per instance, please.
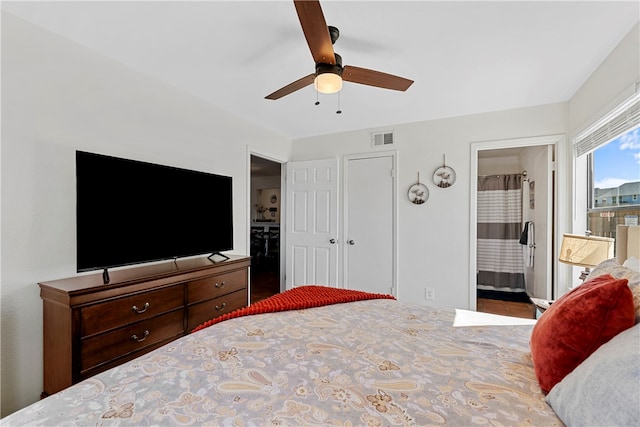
(265, 283)
(506, 308)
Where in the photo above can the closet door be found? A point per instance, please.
(369, 231)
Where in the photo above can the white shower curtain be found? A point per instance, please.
(499, 253)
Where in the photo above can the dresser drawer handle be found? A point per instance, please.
(220, 285)
(134, 337)
(221, 307)
(140, 311)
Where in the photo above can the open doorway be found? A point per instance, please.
(529, 163)
(264, 229)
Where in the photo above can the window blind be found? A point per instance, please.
(622, 119)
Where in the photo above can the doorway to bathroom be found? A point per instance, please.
(513, 215)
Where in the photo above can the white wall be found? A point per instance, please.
(434, 237)
(537, 161)
(58, 97)
(502, 165)
(610, 83)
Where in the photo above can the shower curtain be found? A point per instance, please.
(499, 253)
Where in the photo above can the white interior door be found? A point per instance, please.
(312, 223)
(370, 224)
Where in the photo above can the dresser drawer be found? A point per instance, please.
(215, 286)
(123, 311)
(203, 311)
(132, 338)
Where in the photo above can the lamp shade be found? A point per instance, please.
(328, 82)
(585, 251)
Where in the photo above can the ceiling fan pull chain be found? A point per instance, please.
(317, 101)
(339, 110)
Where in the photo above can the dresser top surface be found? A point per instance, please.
(133, 275)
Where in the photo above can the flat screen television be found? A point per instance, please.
(130, 212)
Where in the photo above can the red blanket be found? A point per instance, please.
(296, 299)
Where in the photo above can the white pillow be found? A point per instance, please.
(604, 390)
(618, 271)
(633, 263)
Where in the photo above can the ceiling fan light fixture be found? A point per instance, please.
(328, 82)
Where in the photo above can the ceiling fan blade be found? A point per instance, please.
(315, 31)
(292, 87)
(375, 78)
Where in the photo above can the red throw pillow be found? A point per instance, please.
(577, 324)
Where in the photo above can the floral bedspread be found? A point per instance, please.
(376, 362)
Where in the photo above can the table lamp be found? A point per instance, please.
(585, 251)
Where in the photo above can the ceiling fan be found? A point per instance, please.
(330, 72)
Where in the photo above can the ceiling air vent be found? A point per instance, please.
(382, 139)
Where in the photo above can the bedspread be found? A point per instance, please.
(374, 362)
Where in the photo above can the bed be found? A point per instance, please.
(326, 356)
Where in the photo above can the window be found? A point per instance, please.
(615, 166)
(614, 184)
(612, 150)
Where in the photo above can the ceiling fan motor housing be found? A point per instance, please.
(334, 33)
(336, 68)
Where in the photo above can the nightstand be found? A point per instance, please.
(541, 305)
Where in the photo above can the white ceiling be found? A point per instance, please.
(465, 57)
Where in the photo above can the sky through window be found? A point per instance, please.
(618, 162)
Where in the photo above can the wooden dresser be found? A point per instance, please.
(89, 327)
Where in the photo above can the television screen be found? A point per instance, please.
(130, 212)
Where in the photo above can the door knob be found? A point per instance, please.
(351, 242)
(333, 241)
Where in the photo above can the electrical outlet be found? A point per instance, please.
(429, 293)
